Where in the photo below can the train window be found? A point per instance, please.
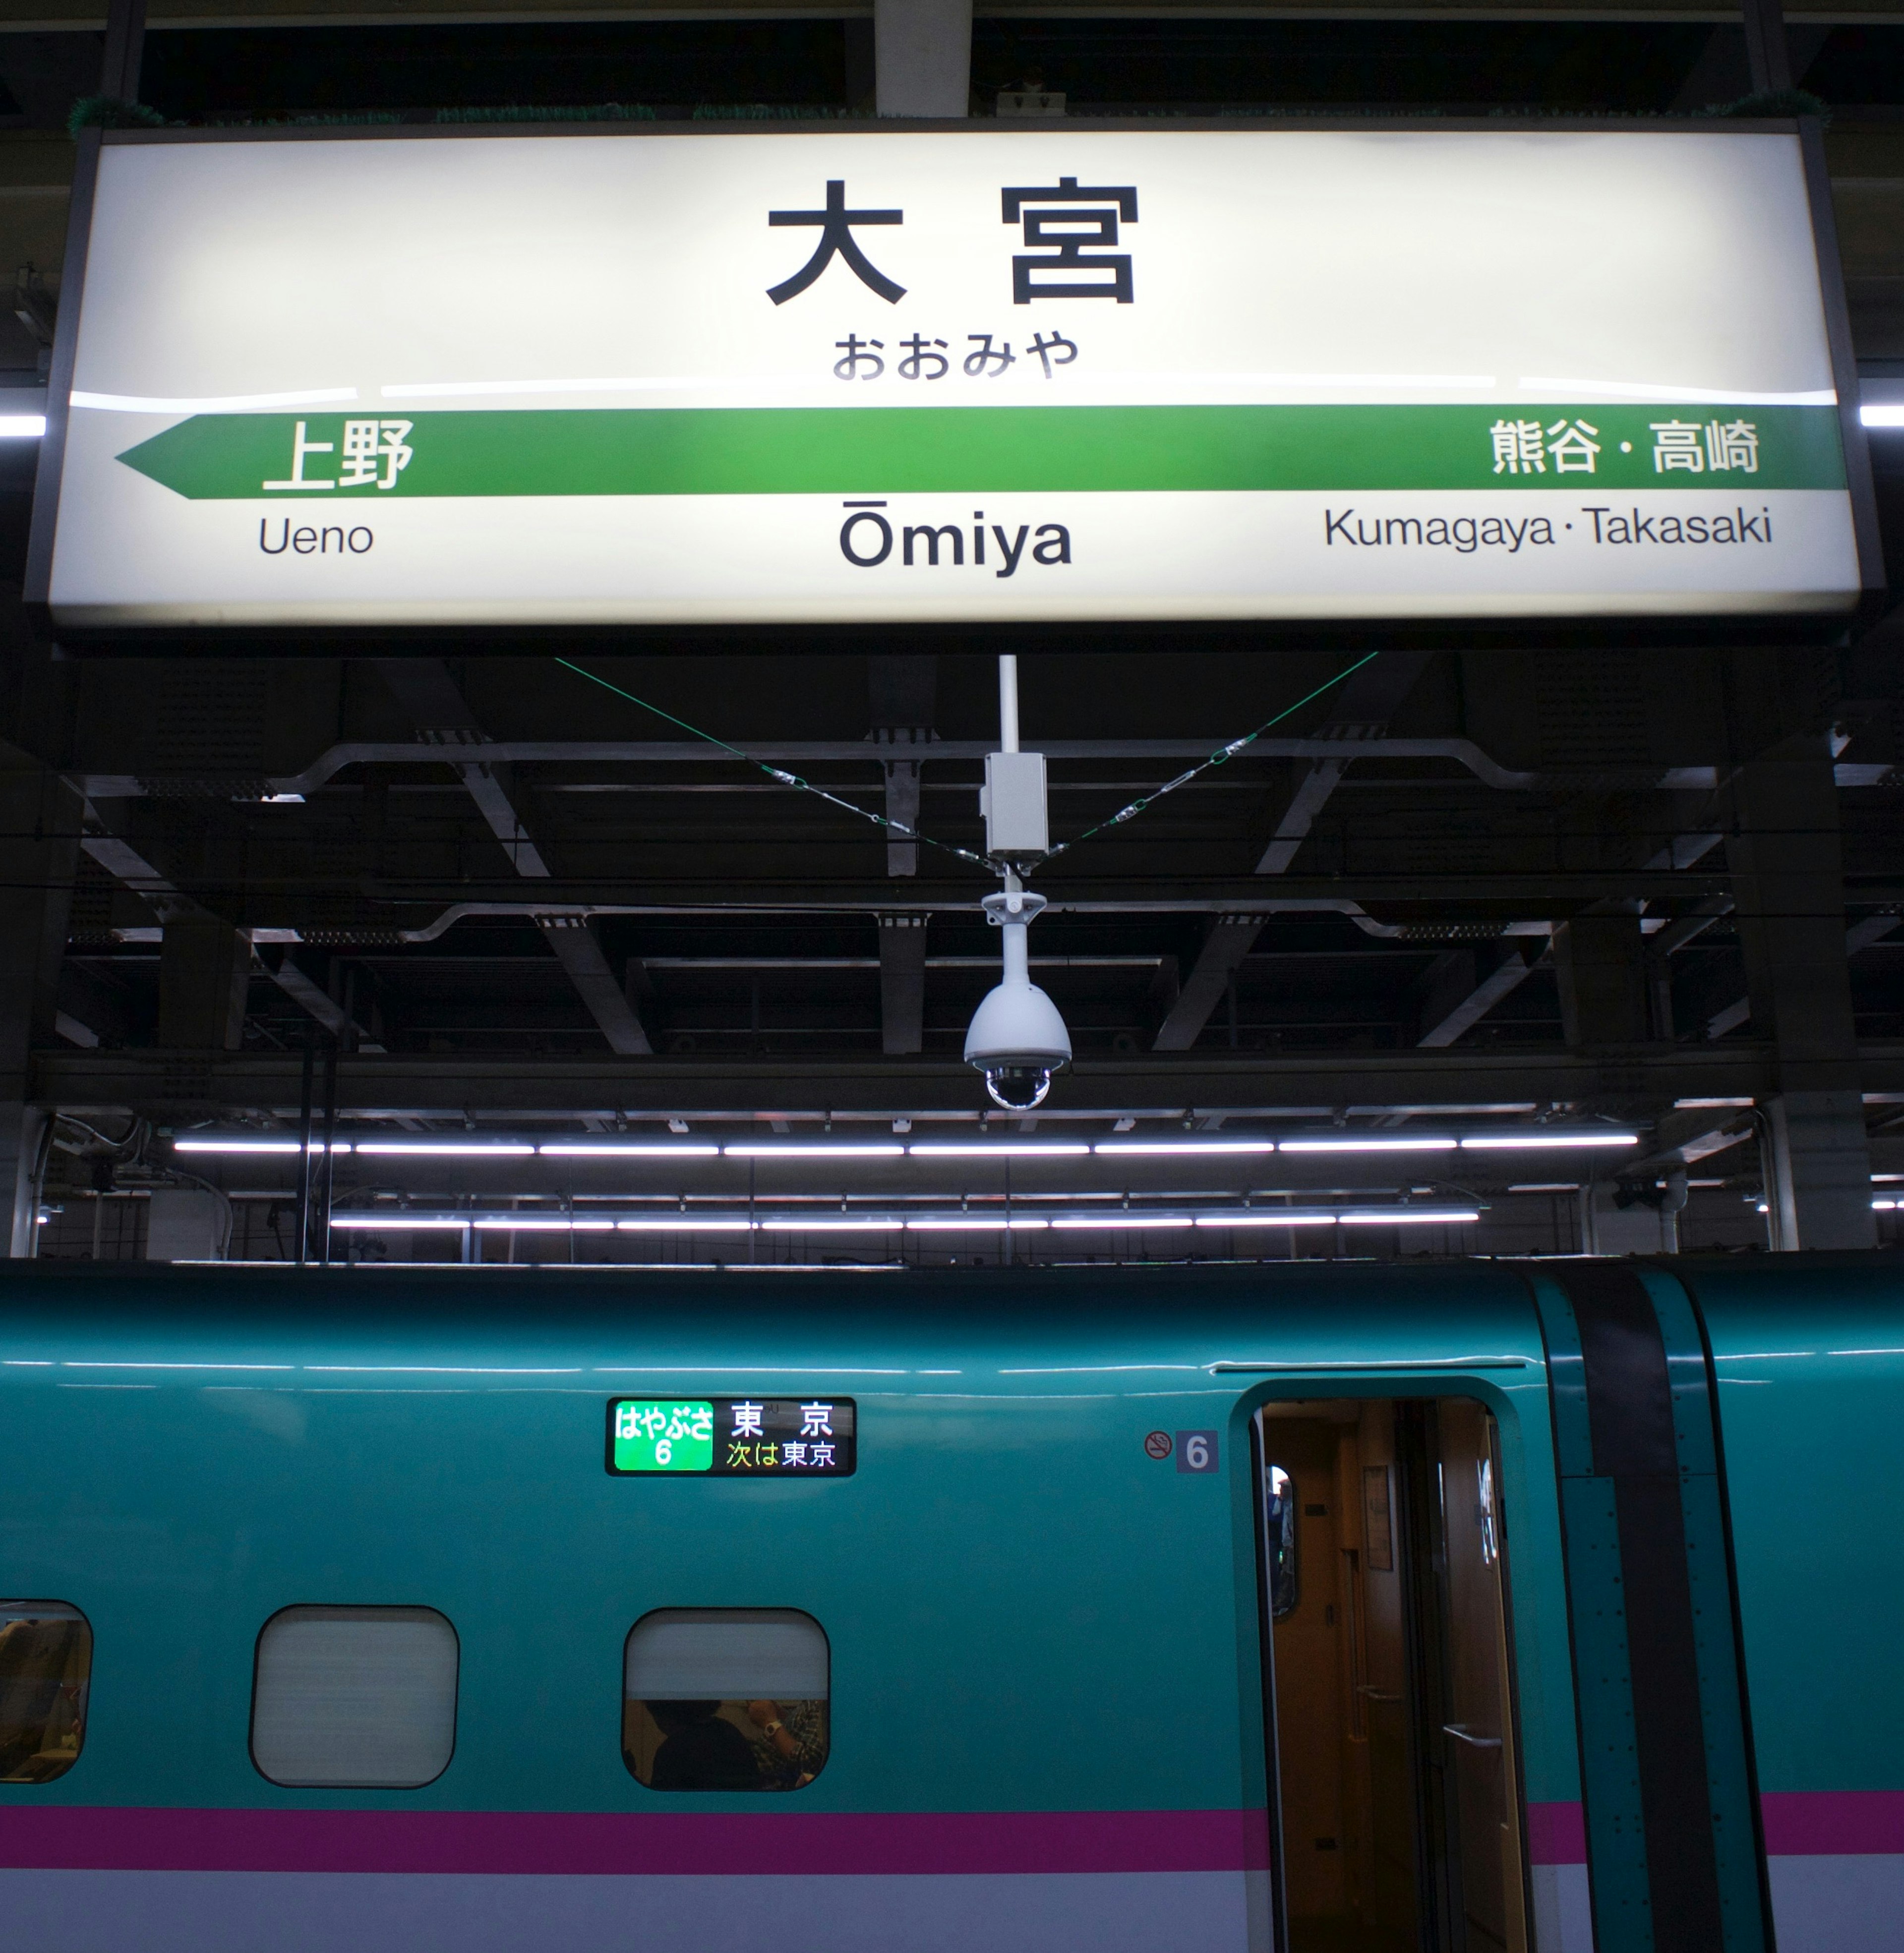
(1279, 1531)
(45, 1662)
(726, 1698)
(356, 1697)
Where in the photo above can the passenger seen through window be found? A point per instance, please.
(792, 1744)
(45, 1662)
(699, 1750)
(726, 1698)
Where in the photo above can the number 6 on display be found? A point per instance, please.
(1195, 1450)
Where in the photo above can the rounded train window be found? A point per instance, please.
(46, 1663)
(355, 1698)
(726, 1698)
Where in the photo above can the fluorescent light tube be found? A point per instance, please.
(1268, 1217)
(681, 1223)
(1119, 1217)
(826, 1224)
(400, 1222)
(997, 1149)
(1408, 1217)
(965, 1223)
(541, 1223)
(798, 1151)
(623, 1149)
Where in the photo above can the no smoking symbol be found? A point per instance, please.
(1157, 1445)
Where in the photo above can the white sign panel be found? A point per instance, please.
(1054, 374)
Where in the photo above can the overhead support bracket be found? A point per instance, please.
(1360, 712)
(580, 954)
(443, 717)
(1228, 944)
(902, 984)
(1449, 1017)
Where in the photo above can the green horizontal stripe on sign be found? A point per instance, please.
(988, 450)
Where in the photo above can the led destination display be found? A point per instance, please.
(1053, 373)
(770, 1437)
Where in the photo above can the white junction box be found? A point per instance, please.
(1012, 801)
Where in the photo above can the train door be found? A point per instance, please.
(1397, 1797)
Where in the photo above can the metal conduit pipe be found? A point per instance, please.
(1322, 905)
(806, 753)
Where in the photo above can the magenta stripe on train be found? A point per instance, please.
(1556, 1834)
(1819, 1824)
(1799, 1824)
(76, 1837)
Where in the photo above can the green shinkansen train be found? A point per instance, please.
(1317, 1608)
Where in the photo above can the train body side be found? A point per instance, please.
(1046, 1709)
(1809, 1357)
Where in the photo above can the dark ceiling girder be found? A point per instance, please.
(1359, 713)
(902, 701)
(309, 994)
(579, 952)
(1684, 1137)
(1229, 941)
(1446, 1019)
(902, 984)
(1860, 935)
(91, 1007)
(120, 859)
(797, 753)
(178, 1086)
(424, 688)
(110, 850)
(1510, 895)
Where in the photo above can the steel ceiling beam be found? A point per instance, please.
(580, 953)
(1860, 935)
(1527, 900)
(1447, 1018)
(797, 753)
(309, 996)
(1359, 714)
(902, 984)
(1359, 717)
(426, 691)
(1229, 942)
(177, 1086)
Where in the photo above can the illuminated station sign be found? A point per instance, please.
(741, 1437)
(499, 377)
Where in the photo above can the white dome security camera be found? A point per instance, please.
(1017, 1038)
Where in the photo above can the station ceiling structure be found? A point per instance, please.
(1459, 889)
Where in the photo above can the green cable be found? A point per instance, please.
(1216, 758)
(899, 827)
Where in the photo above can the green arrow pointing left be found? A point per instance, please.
(995, 450)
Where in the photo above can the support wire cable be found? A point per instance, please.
(899, 828)
(786, 779)
(1216, 758)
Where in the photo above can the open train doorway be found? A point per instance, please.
(1396, 1797)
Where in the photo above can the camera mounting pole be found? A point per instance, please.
(1018, 1037)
